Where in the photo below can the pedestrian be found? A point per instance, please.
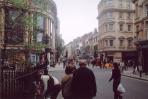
(134, 65)
(52, 86)
(83, 83)
(93, 62)
(140, 69)
(38, 86)
(66, 82)
(116, 77)
(122, 66)
(64, 62)
(45, 78)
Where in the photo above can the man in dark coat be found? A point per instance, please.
(83, 82)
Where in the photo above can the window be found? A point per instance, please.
(110, 42)
(137, 31)
(120, 3)
(137, 28)
(109, 15)
(105, 28)
(109, 2)
(121, 27)
(106, 42)
(129, 15)
(40, 22)
(51, 27)
(41, 3)
(129, 42)
(105, 2)
(39, 37)
(14, 19)
(39, 27)
(129, 27)
(121, 42)
(128, 4)
(136, 11)
(111, 27)
(146, 9)
(120, 15)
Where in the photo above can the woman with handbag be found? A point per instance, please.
(116, 77)
(66, 81)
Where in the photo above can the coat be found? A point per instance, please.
(116, 76)
(83, 84)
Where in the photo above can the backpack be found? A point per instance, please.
(50, 85)
(66, 90)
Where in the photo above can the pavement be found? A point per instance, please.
(136, 75)
(127, 73)
(135, 89)
(57, 67)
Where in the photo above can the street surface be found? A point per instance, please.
(135, 89)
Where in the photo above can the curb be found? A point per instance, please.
(135, 77)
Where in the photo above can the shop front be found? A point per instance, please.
(130, 56)
(142, 47)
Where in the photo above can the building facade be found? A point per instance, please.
(85, 46)
(141, 31)
(26, 27)
(116, 29)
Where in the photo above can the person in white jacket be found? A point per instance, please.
(52, 85)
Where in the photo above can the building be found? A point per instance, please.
(141, 31)
(116, 29)
(91, 43)
(86, 45)
(26, 27)
(68, 50)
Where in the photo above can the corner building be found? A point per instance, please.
(116, 29)
(20, 40)
(141, 32)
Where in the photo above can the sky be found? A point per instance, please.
(77, 17)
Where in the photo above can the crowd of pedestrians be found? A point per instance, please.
(73, 84)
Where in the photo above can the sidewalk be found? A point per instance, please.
(129, 73)
(57, 67)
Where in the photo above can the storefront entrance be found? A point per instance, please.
(129, 56)
(145, 59)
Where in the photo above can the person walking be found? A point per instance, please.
(45, 78)
(83, 84)
(64, 62)
(116, 77)
(52, 86)
(140, 69)
(66, 81)
(122, 66)
(38, 86)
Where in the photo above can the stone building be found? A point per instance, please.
(85, 45)
(27, 26)
(91, 43)
(141, 31)
(116, 29)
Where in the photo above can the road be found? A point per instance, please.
(135, 89)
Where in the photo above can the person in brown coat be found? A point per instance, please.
(66, 81)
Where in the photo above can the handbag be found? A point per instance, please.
(121, 89)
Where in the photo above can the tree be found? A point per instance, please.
(19, 20)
